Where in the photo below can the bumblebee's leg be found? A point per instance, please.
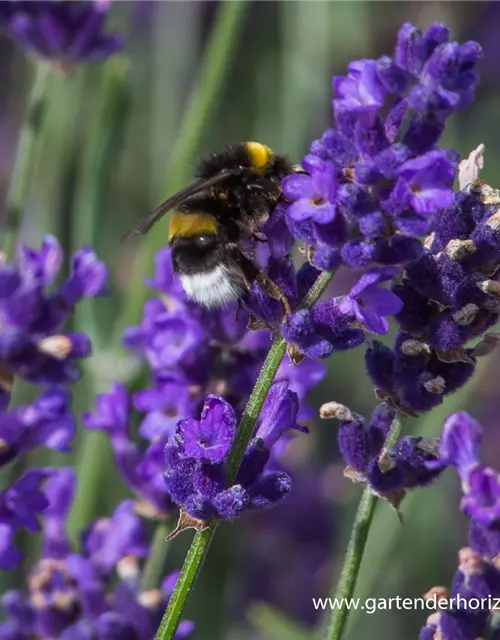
(259, 237)
(248, 270)
(238, 309)
(252, 274)
(273, 290)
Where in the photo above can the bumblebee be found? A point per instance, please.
(216, 216)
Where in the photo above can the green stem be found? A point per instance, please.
(190, 569)
(153, 569)
(26, 151)
(356, 547)
(201, 542)
(199, 112)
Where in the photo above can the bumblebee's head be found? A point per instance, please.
(192, 254)
(208, 273)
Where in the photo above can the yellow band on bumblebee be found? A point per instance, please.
(191, 224)
(260, 155)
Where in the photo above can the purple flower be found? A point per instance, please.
(164, 405)
(448, 301)
(389, 183)
(195, 474)
(321, 331)
(414, 48)
(20, 505)
(387, 472)
(112, 411)
(95, 593)
(412, 376)
(210, 438)
(33, 343)
(88, 279)
(406, 465)
(459, 445)
(19, 614)
(47, 421)
(477, 575)
(481, 501)
(61, 32)
(313, 196)
(41, 265)
(425, 183)
(261, 306)
(360, 92)
(278, 414)
(141, 470)
(371, 304)
(110, 539)
(60, 491)
(167, 337)
(450, 72)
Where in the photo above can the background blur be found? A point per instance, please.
(108, 154)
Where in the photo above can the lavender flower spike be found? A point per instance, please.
(196, 476)
(387, 472)
(378, 177)
(63, 33)
(92, 594)
(33, 343)
(478, 574)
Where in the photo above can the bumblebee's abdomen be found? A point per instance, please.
(215, 288)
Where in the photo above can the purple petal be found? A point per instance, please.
(296, 187)
(460, 441)
(210, 438)
(301, 210)
(60, 491)
(325, 183)
(372, 277)
(382, 302)
(278, 414)
(372, 321)
(9, 555)
(428, 201)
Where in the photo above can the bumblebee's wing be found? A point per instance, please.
(200, 185)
